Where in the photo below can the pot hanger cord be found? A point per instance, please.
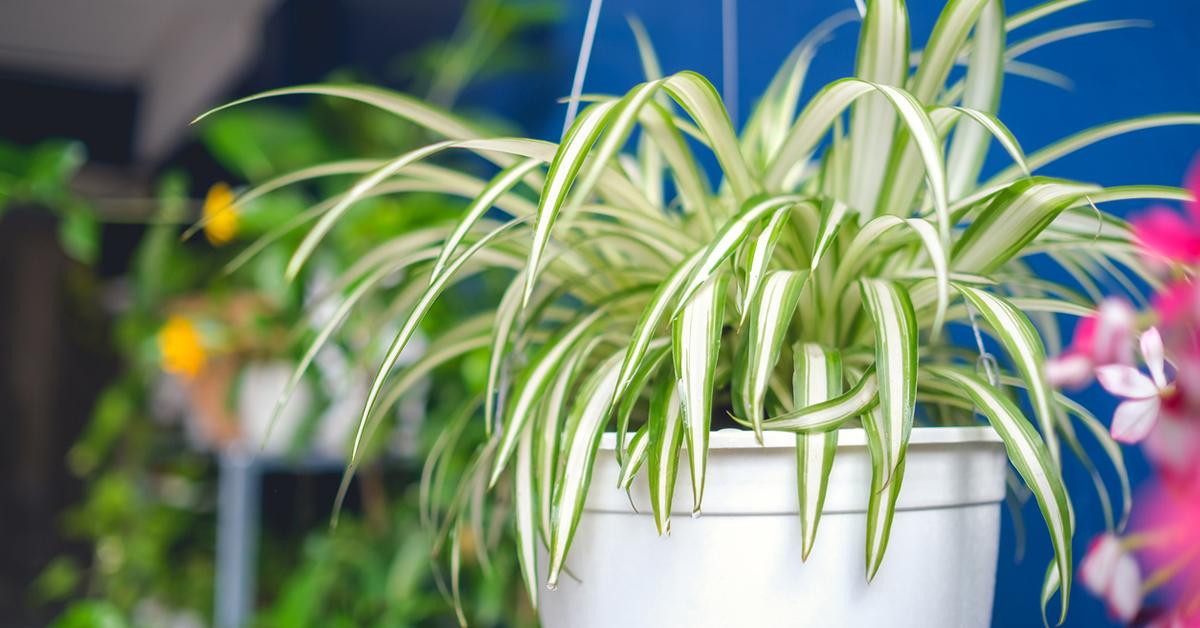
(581, 64)
(729, 58)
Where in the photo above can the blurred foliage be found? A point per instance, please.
(149, 511)
(39, 176)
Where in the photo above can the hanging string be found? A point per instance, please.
(729, 58)
(581, 65)
(987, 362)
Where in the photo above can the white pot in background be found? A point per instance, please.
(258, 392)
(738, 563)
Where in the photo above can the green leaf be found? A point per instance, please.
(525, 505)
(409, 328)
(79, 235)
(1111, 449)
(895, 366)
(1032, 460)
(646, 327)
(567, 161)
(549, 432)
(949, 35)
(981, 92)
(360, 189)
(635, 457)
(506, 318)
(771, 312)
(702, 102)
(497, 187)
(731, 236)
(532, 386)
(817, 378)
(696, 341)
(658, 350)
(407, 107)
(666, 436)
(882, 59)
(886, 477)
(828, 104)
(1023, 209)
(328, 169)
(1024, 345)
(331, 325)
(761, 250)
(590, 414)
(1090, 136)
(831, 222)
(828, 415)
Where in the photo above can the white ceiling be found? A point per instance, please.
(179, 54)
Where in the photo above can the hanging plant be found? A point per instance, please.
(807, 291)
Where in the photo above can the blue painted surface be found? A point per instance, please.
(1116, 75)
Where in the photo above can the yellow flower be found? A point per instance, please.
(220, 214)
(179, 344)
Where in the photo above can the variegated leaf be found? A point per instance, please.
(665, 438)
(816, 378)
(1024, 346)
(895, 365)
(887, 474)
(580, 446)
(771, 311)
(696, 340)
(1032, 460)
(828, 415)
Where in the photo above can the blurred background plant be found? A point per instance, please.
(207, 335)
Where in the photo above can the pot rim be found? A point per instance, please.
(734, 438)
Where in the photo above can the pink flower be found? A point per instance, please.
(1168, 234)
(1169, 548)
(1177, 304)
(1175, 619)
(1111, 574)
(1192, 183)
(1173, 446)
(1144, 396)
(1103, 338)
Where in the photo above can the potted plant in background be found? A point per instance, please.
(784, 336)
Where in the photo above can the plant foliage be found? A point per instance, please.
(805, 290)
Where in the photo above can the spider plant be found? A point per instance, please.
(808, 290)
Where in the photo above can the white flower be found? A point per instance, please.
(1143, 395)
(1111, 574)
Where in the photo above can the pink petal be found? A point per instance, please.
(1125, 381)
(1174, 619)
(1096, 570)
(1177, 302)
(1071, 370)
(1124, 595)
(1152, 352)
(1165, 232)
(1085, 333)
(1134, 419)
(1192, 183)
(1173, 446)
(1112, 341)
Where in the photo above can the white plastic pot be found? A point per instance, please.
(738, 563)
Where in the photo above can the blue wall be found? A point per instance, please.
(1116, 75)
